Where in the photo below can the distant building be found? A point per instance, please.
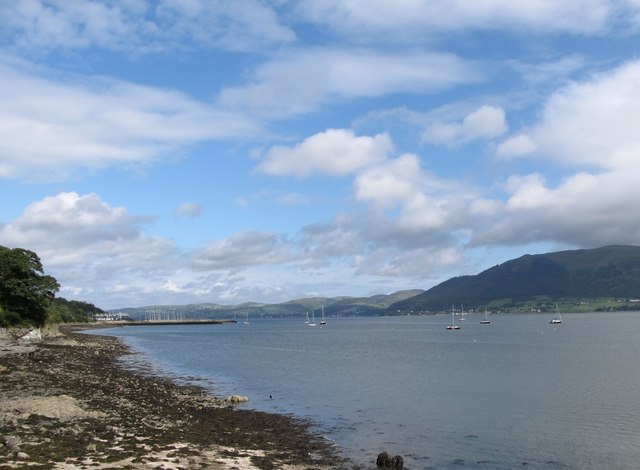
(112, 316)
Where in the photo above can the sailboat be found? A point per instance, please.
(558, 318)
(246, 322)
(462, 314)
(323, 321)
(453, 325)
(307, 320)
(313, 319)
(486, 320)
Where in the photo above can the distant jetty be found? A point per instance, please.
(163, 322)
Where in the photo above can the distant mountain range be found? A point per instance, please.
(334, 306)
(606, 278)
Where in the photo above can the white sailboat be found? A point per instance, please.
(486, 320)
(246, 321)
(307, 320)
(313, 319)
(323, 321)
(453, 325)
(462, 314)
(558, 319)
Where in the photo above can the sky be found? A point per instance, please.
(225, 151)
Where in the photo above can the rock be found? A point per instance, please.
(235, 399)
(30, 336)
(385, 460)
(12, 443)
(62, 407)
(22, 456)
(60, 341)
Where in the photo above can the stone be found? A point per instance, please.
(234, 399)
(386, 461)
(12, 443)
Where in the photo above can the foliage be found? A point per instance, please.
(25, 291)
(71, 311)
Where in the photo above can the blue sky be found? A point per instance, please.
(187, 151)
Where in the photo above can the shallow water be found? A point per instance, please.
(516, 393)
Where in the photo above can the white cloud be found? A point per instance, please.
(242, 250)
(425, 263)
(528, 192)
(516, 146)
(233, 25)
(411, 21)
(70, 228)
(96, 252)
(299, 81)
(414, 200)
(102, 254)
(594, 122)
(486, 122)
(634, 11)
(334, 152)
(188, 209)
(140, 27)
(375, 246)
(591, 126)
(549, 71)
(585, 210)
(588, 125)
(387, 185)
(51, 127)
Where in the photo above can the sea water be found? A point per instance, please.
(516, 393)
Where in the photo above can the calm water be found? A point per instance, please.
(518, 393)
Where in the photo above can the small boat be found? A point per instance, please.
(558, 319)
(462, 314)
(313, 320)
(307, 320)
(453, 325)
(486, 320)
(246, 322)
(323, 321)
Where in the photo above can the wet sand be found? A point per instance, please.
(65, 402)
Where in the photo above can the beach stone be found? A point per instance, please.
(62, 407)
(386, 461)
(234, 399)
(22, 456)
(12, 443)
(31, 336)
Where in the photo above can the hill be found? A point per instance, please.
(611, 272)
(333, 306)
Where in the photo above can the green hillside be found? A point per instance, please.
(333, 306)
(588, 276)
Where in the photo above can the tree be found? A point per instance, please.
(25, 291)
(62, 310)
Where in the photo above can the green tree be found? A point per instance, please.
(25, 291)
(62, 310)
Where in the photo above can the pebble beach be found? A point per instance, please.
(66, 403)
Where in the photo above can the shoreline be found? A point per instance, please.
(66, 402)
